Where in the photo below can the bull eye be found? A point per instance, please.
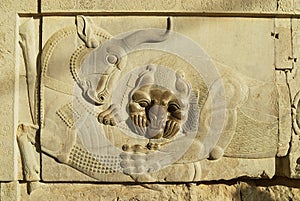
(173, 107)
(112, 59)
(143, 103)
(100, 97)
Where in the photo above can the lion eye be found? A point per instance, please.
(173, 107)
(143, 103)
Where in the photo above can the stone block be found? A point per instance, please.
(250, 191)
(9, 47)
(10, 191)
(283, 44)
(152, 6)
(215, 192)
(284, 111)
(9, 83)
(191, 192)
(286, 6)
(106, 192)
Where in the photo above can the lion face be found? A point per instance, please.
(156, 112)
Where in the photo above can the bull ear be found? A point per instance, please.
(146, 77)
(85, 31)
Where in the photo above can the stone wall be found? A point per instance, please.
(149, 100)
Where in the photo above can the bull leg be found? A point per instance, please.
(31, 168)
(109, 116)
(27, 42)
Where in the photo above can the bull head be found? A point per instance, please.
(102, 67)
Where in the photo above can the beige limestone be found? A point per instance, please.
(215, 192)
(189, 192)
(294, 83)
(283, 44)
(28, 113)
(284, 111)
(257, 50)
(9, 70)
(7, 54)
(107, 192)
(286, 6)
(240, 145)
(230, 168)
(277, 192)
(185, 6)
(297, 6)
(10, 190)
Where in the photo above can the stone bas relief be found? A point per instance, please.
(136, 107)
(292, 78)
(28, 116)
(294, 155)
(110, 129)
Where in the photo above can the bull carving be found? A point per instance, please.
(103, 66)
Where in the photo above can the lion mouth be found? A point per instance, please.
(155, 127)
(154, 132)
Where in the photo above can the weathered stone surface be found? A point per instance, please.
(251, 192)
(234, 168)
(190, 192)
(14, 7)
(188, 6)
(284, 111)
(296, 6)
(27, 99)
(283, 44)
(106, 192)
(293, 80)
(215, 192)
(286, 6)
(10, 191)
(9, 83)
(7, 126)
(296, 45)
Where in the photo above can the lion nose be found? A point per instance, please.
(157, 116)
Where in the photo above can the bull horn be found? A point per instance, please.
(147, 36)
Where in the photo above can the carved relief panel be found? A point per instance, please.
(293, 81)
(155, 99)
